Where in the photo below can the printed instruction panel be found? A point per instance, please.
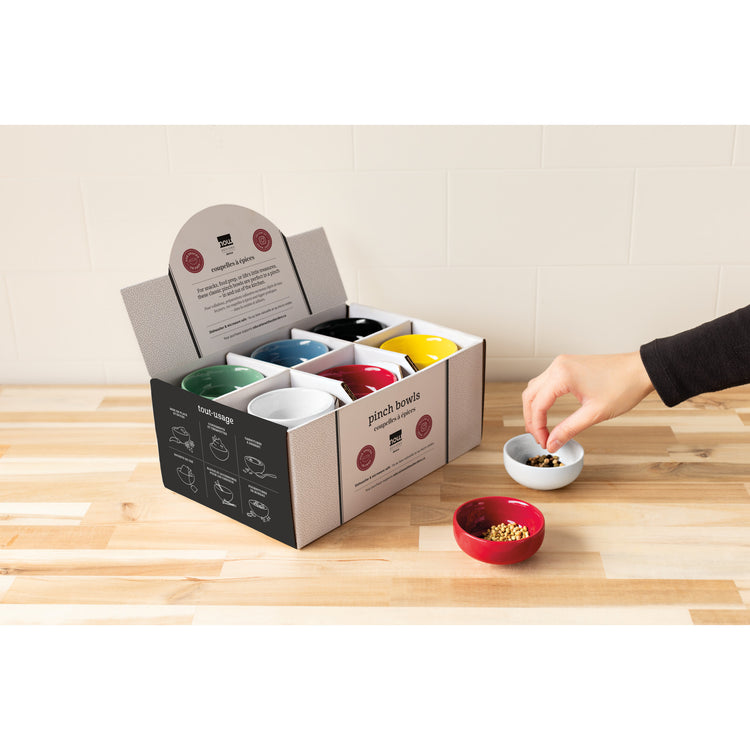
(234, 277)
(391, 438)
(225, 459)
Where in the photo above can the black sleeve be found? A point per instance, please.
(708, 358)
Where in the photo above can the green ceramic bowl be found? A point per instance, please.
(212, 382)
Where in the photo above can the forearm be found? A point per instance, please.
(710, 357)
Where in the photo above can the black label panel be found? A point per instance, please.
(228, 460)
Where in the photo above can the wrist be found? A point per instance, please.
(640, 378)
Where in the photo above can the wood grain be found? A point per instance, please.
(656, 530)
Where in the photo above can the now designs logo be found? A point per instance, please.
(225, 243)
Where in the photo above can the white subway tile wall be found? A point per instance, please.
(542, 239)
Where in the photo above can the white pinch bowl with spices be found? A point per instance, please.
(523, 447)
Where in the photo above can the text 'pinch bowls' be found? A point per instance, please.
(523, 447)
(473, 518)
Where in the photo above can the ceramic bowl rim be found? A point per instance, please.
(289, 342)
(319, 411)
(210, 369)
(489, 543)
(524, 437)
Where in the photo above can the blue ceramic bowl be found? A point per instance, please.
(289, 352)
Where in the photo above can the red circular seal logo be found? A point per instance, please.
(366, 458)
(262, 240)
(192, 260)
(424, 426)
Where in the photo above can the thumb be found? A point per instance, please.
(579, 420)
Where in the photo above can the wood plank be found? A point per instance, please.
(744, 589)
(679, 561)
(64, 439)
(6, 581)
(108, 562)
(136, 401)
(439, 513)
(34, 467)
(662, 491)
(519, 591)
(31, 513)
(51, 420)
(197, 589)
(72, 614)
(696, 422)
(423, 564)
(96, 449)
(92, 488)
(720, 617)
(111, 589)
(426, 616)
(54, 537)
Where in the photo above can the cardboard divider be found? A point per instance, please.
(286, 378)
(379, 337)
(462, 339)
(341, 356)
(423, 327)
(303, 379)
(359, 354)
(388, 319)
(399, 364)
(240, 398)
(331, 343)
(267, 368)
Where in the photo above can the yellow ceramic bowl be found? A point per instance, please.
(422, 349)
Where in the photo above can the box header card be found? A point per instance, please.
(233, 275)
(233, 278)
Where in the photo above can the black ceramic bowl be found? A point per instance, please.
(348, 329)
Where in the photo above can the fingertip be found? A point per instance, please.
(541, 436)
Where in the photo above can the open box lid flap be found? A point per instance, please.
(233, 277)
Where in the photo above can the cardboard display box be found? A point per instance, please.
(235, 282)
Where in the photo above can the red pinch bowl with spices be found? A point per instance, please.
(472, 519)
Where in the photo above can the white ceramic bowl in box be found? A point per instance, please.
(292, 406)
(522, 447)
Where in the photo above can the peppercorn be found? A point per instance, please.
(544, 461)
(506, 532)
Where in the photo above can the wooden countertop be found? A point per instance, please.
(655, 530)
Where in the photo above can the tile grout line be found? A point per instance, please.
(85, 224)
(718, 290)
(734, 147)
(446, 225)
(632, 217)
(541, 147)
(538, 282)
(168, 150)
(13, 324)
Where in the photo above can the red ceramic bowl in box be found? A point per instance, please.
(472, 519)
(361, 379)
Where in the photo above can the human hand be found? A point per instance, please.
(605, 385)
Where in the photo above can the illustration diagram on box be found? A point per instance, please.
(187, 476)
(182, 437)
(223, 493)
(257, 468)
(220, 451)
(259, 510)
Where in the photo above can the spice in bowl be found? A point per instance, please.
(506, 532)
(544, 461)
